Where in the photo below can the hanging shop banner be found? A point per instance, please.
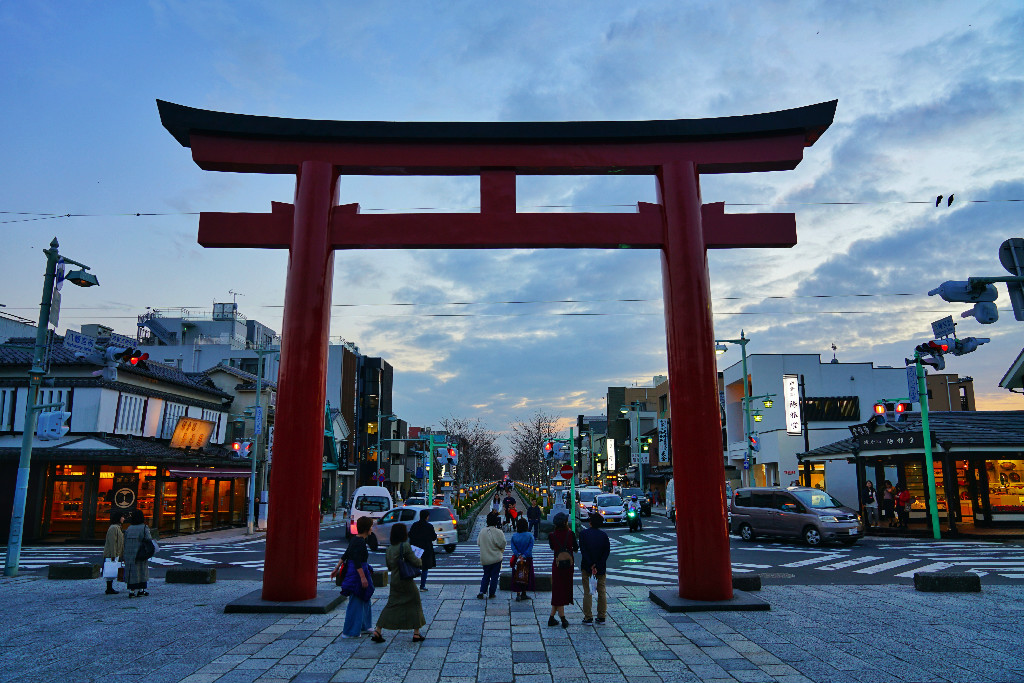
(663, 453)
(791, 396)
(610, 445)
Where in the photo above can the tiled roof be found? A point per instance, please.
(248, 382)
(12, 357)
(951, 428)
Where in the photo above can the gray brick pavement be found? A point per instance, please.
(70, 631)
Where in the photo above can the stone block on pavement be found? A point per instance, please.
(191, 575)
(542, 582)
(947, 582)
(746, 581)
(67, 572)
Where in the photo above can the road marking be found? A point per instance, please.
(813, 560)
(847, 563)
(193, 558)
(885, 566)
(937, 566)
(161, 561)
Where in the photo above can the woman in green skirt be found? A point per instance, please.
(404, 609)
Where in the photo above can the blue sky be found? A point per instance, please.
(929, 95)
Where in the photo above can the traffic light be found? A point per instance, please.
(243, 451)
(931, 353)
(755, 443)
(968, 344)
(904, 407)
(116, 354)
(138, 358)
(549, 448)
(881, 414)
(959, 290)
(985, 313)
(50, 425)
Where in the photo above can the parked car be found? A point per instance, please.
(442, 518)
(367, 501)
(641, 497)
(416, 500)
(610, 507)
(796, 512)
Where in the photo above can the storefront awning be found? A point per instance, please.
(209, 472)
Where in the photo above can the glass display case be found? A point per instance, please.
(1005, 488)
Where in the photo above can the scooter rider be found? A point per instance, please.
(634, 505)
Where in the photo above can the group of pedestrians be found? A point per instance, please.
(593, 544)
(121, 546)
(891, 505)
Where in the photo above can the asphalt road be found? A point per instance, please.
(645, 558)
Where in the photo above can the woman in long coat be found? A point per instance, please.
(404, 609)
(113, 545)
(136, 574)
(561, 540)
(422, 535)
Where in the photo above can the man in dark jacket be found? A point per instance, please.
(595, 547)
(423, 535)
(533, 517)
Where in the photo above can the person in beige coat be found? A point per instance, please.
(492, 548)
(113, 547)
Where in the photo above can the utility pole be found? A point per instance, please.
(35, 375)
(259, 429)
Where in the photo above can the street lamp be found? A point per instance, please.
(35, 374)
(742, 341)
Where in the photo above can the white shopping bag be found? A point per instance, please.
(110, 568)
(593, 583)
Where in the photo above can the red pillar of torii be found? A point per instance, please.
(676, 152)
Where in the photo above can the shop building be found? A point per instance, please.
(978, 464)
(150, 438)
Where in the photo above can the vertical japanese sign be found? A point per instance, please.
(791, 396)
(610, 445)
(663, 449)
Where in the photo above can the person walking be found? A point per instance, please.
(533, 514)
(595, 547)
(136, 573)
(496, 503)
(870, 502)
(404, 609)
(357, 581)
(522, 560)
(422, 535)
(113, 545)
(903, 502)
(563, 542)
(889, 503)
(492, 546)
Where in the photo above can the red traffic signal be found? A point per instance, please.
(904, 407)
(549, 446)
(137, 357)
(879, 409)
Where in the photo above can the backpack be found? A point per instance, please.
(564, 558)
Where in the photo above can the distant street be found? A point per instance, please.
(646, 558)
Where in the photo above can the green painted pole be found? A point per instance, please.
(922, 389)
(28, 429)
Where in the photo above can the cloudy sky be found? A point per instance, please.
(930, 96)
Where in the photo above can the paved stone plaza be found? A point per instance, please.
(70, 631)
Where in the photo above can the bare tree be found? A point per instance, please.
(479, 457)
(527, 438)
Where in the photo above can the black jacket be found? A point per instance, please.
(596, 547)
(422, 535)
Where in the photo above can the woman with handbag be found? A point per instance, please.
(522, 560)
(113, 550)
(563, 542)
(404, 609)
(356, 581)
(136, 570)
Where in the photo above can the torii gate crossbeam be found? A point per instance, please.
(676, 152)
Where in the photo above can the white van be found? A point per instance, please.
(670, 500)
(367, 501)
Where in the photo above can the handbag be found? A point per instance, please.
(110, 568)
(522, 572)
(407, 570)
(147, 548)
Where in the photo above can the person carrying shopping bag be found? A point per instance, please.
(113, 549)
(404, 609)
(357, 581)
(522, 561)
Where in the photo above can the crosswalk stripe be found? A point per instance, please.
(875, 569)
(848, 563)
(199, 560)
(813, 560)
(937, 566)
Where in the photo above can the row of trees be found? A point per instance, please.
(479, 456)
(527, 439)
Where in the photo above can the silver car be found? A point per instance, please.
(442, 518)
(610, 507)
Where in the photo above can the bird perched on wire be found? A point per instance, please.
(949, 201)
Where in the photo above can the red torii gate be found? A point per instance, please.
(676, 152)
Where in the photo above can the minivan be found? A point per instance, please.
(796, 512)
(367, 501)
